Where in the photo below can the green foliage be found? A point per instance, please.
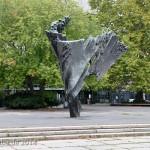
(130, 19)
(25, 50)
(91, 83)
(1, 98)
(50, 98)
(25, 103)
(24, 100)
(49, 94)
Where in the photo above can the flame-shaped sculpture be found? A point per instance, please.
(74, 57)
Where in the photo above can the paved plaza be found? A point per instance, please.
(125, 143)
(90, 115)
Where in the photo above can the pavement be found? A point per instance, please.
(90, 115)
(119, 143)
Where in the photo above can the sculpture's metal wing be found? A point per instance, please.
(110, 49)
(74, 57)
(79, 58)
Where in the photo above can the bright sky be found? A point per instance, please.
(84, 4)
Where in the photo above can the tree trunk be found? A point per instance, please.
(30, 84)
(42, 86)
(139, 97)
(74, 106)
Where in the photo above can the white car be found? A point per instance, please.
(131, 100)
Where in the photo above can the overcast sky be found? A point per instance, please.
(84, 4)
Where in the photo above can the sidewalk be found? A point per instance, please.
(91, 115)
(125, 143)
(39, 123)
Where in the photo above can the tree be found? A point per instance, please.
(130, 20)
(26, 57)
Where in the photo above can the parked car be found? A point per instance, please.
(147, 101)
(131, 100)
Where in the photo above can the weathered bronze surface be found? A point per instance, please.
(74, 56)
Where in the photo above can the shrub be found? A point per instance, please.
(50, 98)
(25, 103)
(24, 100)
(53, 102)
(1, 99)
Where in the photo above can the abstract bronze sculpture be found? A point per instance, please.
(74, 57)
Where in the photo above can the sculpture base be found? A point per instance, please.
(74, 107)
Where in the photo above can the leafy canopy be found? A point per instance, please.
(26, 57)
(129, 19)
